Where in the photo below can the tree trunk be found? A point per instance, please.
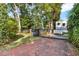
(51, 28)
(54, 24)
(19, 24)
(17, 17)
(31, 32)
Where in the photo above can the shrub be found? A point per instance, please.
(73, 25)
(8, 30)
(11, 26)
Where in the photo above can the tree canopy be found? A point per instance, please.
(15, 17)
(73, 25)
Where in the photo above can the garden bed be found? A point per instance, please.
(14, 44)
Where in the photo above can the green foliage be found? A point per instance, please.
(73, 25)
(25, 16)
(8, 31)
(53, 10)
(26, 23)
(43, 13)
(11, 27)
(36, 16)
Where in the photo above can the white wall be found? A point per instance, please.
(60, 26)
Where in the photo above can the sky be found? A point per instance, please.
(65, 8)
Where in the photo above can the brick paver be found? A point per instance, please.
(43, 47)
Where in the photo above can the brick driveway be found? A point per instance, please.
(43, 47)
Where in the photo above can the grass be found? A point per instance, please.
(23, 40)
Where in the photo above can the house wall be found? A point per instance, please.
(61, 25)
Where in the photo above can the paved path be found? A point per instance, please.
(59, 37)
(43, 47)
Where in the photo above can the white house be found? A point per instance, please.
(61, 27)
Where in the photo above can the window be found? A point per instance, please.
(63, 24)
(58, 23)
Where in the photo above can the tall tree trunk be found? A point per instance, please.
(19, 24)
(17, 17)
(52, 23)
(51, 27)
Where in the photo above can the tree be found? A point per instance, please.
(73, 25)
(52, 12)
(16, 13)
(35, 15)
(26, 18)
(8, 26)
(3, 18)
